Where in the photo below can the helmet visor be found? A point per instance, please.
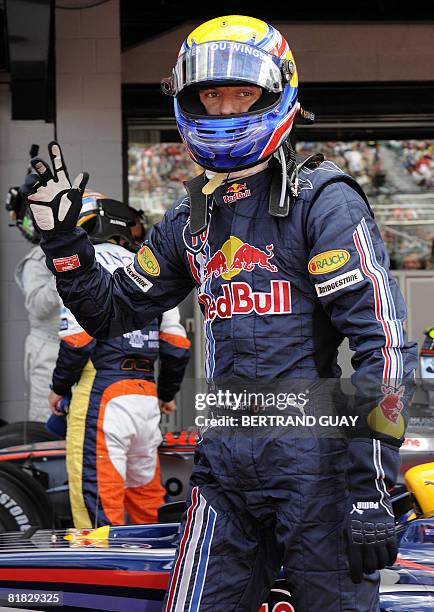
(227, 60)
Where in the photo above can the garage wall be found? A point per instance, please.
(88, 91)
(329, 52)
(15, 140)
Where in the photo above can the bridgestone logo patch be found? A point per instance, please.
(143, 283)
(339, 282)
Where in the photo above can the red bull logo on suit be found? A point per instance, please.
(217, 265)
(235, 256)
(236, 191)
(239, 299)
(248, 256)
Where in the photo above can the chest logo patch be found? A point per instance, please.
(236, 191)
(236, 255)
(329, 261)
(238, 299)
(148, 262)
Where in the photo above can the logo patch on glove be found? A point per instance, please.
(65, 264)
(360, 507)
(386, 417)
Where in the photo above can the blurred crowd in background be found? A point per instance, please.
(398, 177)
(155, 174)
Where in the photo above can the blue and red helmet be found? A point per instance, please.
(234, 50)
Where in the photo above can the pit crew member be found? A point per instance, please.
(113, 429)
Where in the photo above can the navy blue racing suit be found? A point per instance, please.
(278, 295)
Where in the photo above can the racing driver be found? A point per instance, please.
(286, 261)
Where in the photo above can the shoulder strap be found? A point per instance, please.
(198, 204)
(311, 162)
(284, 179)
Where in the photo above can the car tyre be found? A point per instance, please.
(24, 432)
(23, 501)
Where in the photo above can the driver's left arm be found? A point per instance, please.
(364, 303)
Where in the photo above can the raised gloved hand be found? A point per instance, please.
(370, 522)
(55, 203)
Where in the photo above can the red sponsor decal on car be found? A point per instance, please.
(64, 264)
(179, 438)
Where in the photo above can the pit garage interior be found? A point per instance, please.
(87, 73)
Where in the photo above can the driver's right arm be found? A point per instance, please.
(108, 305)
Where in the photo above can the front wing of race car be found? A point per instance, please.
(127, 568)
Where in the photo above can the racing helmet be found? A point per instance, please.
(233, 50)
(21, 216)
(105, 219)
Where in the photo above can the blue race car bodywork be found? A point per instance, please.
(127, 568)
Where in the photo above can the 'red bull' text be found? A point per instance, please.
(239, 299)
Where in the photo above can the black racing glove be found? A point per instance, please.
(55, 203)
(369, 521)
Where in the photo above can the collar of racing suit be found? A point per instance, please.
(246, 194)
(237, 186)
(232, 176)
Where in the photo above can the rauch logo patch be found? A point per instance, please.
(329, 261)
(148, 262)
